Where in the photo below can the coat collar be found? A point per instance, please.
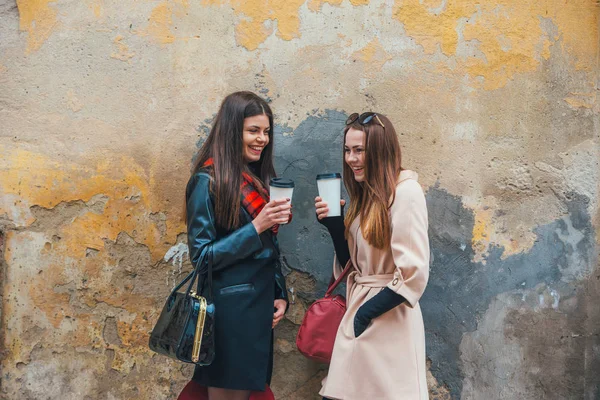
(408, 174)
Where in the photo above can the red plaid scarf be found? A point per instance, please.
(253, 199)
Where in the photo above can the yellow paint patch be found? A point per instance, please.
(546, 50)
(123, 362)
(581, 100)
(431, 30)
(159, 24)
(481, 234)
(44, 182)
(96, 7)
(251, 31)
(255, 15)
(374, 54)
(38, 19)
(54, 305)
(315, 5)
(508, 33)
(492, 231)
(123, 52)
(249, 35)
(578, 23)
(88, 332)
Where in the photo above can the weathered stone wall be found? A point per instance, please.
(102, 106)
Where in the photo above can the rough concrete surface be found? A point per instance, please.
(103, 105)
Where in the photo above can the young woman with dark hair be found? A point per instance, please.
(379, 350)
(232, 224)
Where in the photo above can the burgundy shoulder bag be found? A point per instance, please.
(321, 322)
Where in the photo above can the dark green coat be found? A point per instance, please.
(247, 279)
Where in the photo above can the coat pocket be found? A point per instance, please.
(237, 289)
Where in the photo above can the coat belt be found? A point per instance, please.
(374, 281)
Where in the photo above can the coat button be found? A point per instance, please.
(395, 281)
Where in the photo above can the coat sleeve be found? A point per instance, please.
(410, 243)
(202, 235)
(280, 286)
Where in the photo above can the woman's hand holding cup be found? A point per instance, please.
(274, 212)
(323, 209)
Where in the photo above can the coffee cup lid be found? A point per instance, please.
(282, 183)
(329, 176)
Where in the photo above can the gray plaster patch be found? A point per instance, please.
(460, 290)
(314, 147)
(110, 333)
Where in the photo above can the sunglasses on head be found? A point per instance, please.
(364, 118)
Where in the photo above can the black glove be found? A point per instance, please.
(379, 304)
(336, 228)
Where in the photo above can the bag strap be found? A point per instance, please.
(208, 258)
(187, 278)
(334, 283)
(209, 268)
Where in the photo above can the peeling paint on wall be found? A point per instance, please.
(258, 18)
(39, 19)
(497, 40)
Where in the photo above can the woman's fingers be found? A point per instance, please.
(278, 202)
(322, 212)
(277, 319)
(278, 211)
(321, 208)
(282, 214)
(280, 306)
(286, 207)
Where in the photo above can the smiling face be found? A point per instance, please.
(255, 137)
(354, 153)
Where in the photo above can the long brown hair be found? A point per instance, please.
(225, 146)
(370, 199)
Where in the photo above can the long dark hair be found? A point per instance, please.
(225, 146)
(371, 198)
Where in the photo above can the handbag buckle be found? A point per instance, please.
(195, 295)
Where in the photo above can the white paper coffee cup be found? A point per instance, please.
(330, 190)
(280, 188)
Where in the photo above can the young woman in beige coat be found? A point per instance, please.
(379, 351)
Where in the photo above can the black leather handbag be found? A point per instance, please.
(185, 329)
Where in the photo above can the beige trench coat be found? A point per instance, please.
(387, 361)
